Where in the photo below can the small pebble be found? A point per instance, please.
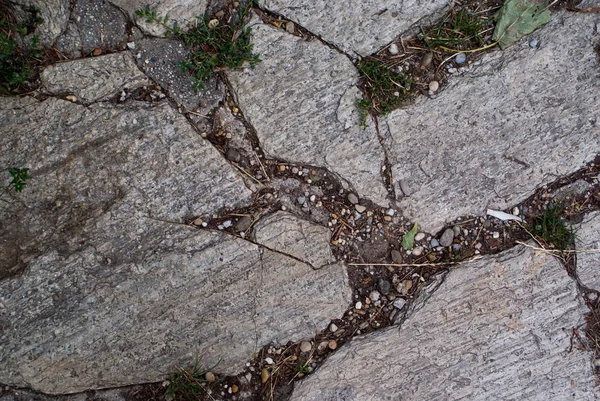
(198, 221)
(461, 58)
(244, 223)
(399, 303)
(290, 28)
(227, 224)
(353, 198)
(233, 155)
(452, 70)
(270, 361)
(495, 234)
(393, 49)
(131, 45)
(515, 211)
(390, 212)
(533, 43)
(305, 346)
(360, 208)
(97, 52)
(235, 388)
(332, 344)
(209, 376)
(434, 86)
(384, 286)
(301, 200)
(419, 236)
(71, 98)
(427, 59)
(417, 251)
(447, 237)
(313, 198)
(396, 256)
(374, 296)
(434, 242)
(358, 305)
(333, 328)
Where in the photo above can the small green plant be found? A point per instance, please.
(550, 229)
(188, 384)
(386, 89)
(19, 177)
(461, 29)
(215, 44)
(303, 367)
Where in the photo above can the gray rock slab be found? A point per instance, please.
(495, 329)
(54, 15)
(522, 119)
(91, 321)
(182, 11)
(588, 263)
(161, 58)
(85, 162)
(286, 233)
(94, 78)
(96, 24)
(301, 100)
(356, 26)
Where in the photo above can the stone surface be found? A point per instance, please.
(118, 290)
(93, 321)
(356, 26)
(520, 120)
(160, 60)
(54, 16)
(85, 162)
(95, 24)
(95, 78)
(182, 11)
(301, 100)
(299, 238)
(495, 329)
(588, 263)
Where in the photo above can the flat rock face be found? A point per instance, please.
(300, 99)
(182, 11)
(118, 290)
(93, 79)
(93, 321)
(356, 26)
(588, 263)
(55, 16)
(523, 118)
(87, 161)
(496, 329)
(291, 235)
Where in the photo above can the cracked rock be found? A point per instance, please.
(358, 26)
(587, 236)
(491, 137)
(496, 329)
(94, 79)
(291, 235)
(182, 11)
(53, 16)
(87, 162)
(301, 100)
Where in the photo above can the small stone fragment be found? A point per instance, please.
(447, 237)
(97, 52)
(396, 256)
(420, 237)
(198, 221)
(305, 346)
(290, 28)
(533, 43)
(264, 375)
(243, 223)
(427, 59)
(233, 155)
(434, 242)
(495, 235)
(374, 296)
(399, 303)
(209, 376)
(384, 286)
(332, 344)
(417, 251)
(434, 86)
(360, 208)
(358, 305)
(234, 388)
(333, 328)
(270, 361)
(461, 58)
(353, 198)
(515, 211)
(71, 98)
(393, 49)
(301, 200)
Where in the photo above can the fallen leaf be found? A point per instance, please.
(518, 18)
(408, 239)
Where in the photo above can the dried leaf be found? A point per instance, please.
(408, 239)
(518, 18)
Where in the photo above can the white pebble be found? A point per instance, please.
(515, 211)
(333, 328)
(419, 236)
(269, 361)
(394, 49)
(358, 305)
(434, 86)
(496, 234)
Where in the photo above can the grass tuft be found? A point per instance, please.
(215, 44)
(552, 230)
(188, 384)
(386, 89)
(461, 29)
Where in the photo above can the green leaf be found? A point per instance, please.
(518, 18)
(408, 239)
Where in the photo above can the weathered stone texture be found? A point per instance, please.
(522, 119)
(54, 16)
(93, 79)
(299, 238)
(182, 11)
(356, 26)
(300, 99)
(496, 329)
(588, 262)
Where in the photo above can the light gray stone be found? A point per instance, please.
(87, 161)
(356, 26)
(518, 121)
(53, 14)
(496, 329)
(299, 238)
(182, 11)
(301, 100)
(160, 59)
(95, 78)
(92, 322)
(588, 263)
